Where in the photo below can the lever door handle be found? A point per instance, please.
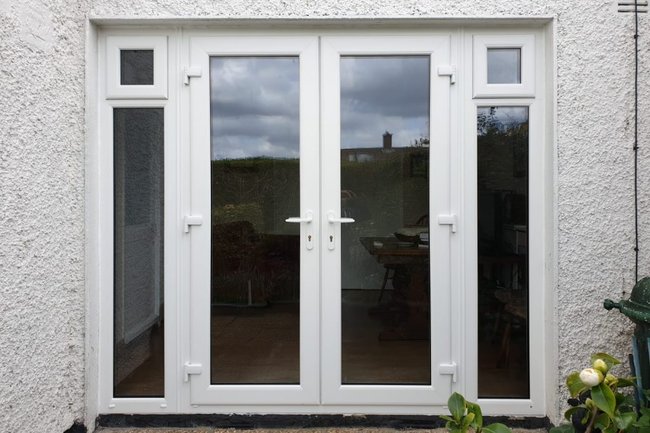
(332, 219)
(309, 217)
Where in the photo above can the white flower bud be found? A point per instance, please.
(591, 377)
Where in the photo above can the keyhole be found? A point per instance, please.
(309, 238)
(331, 238)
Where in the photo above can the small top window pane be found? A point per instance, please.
(136, 67)
(504, 65)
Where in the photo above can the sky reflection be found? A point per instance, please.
(255, 104)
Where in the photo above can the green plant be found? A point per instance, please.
(467, 416)
(598, 405)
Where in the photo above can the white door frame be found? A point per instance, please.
(202, 391)
(437, 47)
(543, 337)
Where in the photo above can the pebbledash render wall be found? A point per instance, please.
(43, 291)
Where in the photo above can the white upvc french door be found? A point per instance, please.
(349, 65)
(206, 387)
(266, 220)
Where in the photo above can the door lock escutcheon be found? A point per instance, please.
(332, 219)
(307, 219)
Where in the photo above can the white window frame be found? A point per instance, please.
(524, 42)
(463, 107)
(115, 89)
(540, 221)
(103, 223)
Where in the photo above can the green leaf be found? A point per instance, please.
(602, 421)
(627, 404)
(574, 384)
(604, 399)
(572, 410)
(609, 359)
(456, 404)
(625, 382)
(643, 423)
(620, 399)
(478, 414)
(497, 428)
(585, 418)
(447, 418)
(610, 429)
(563, 428)
(467, 420)
(642, 427)
(625, 420)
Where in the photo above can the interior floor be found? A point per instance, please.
(256, 344)
(261, 345)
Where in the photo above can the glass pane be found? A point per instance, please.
(503, 252)
(255, 187)
(504, 65)
(138, 229)
(136, 67)
(385, 188)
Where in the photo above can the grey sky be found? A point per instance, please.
(255, 107)
(380, 94)
(504, 65)
(255, 104)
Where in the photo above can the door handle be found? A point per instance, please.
(333, 219)
(308, 218)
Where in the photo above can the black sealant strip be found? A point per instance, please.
(77, 427)
(248, 422)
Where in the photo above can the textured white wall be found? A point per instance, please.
(41, 214)
(42, 177)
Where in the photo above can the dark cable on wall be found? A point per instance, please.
(636, 141)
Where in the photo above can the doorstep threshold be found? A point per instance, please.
(267, 430)
(191, 423)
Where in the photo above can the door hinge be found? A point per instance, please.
(451, 220)
(450, 369)
(448, 71)
(191, 220)
(190, 368)
(191, 71)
